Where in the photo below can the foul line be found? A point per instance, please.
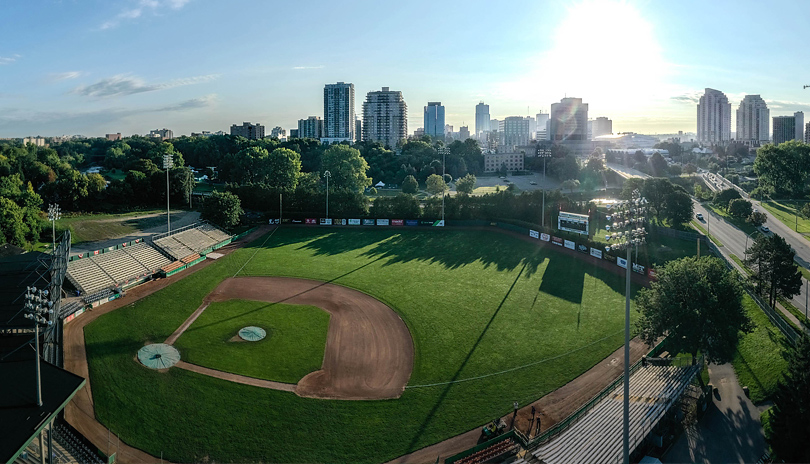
(257, 250)
(519, 367)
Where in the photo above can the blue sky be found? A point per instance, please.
(94, 67)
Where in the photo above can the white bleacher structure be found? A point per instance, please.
(191, 240)
(597, 436)
(105, 270)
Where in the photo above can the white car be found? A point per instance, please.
(699, 216)
(765, 230)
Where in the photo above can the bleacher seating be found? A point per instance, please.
(597, 436)
(70, 308)
(98, 296)
(87, 276)
(498, 449)
(76, 447)
(115, 267)
(192, 240)
(148, 256)
(191, 258)
(170, 267)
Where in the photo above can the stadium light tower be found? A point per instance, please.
(54, 213)
(37, 307)
(327, 174)
(629, 232)
(544, 153)
(168, 162)
(444, 151)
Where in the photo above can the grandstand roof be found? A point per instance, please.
(20, 417)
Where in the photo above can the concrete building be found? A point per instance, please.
(713, 118)
(419, 132)
(293, 133)
(162, 134)
(788, 128)
(338, 112)
(601, 126)
(494, 125)
(541, 124)
(248, 130)
(807, 133)
(207, 133)
(37, 141)
(310, 128)
(753, 117)
(113, 137)
(279, 133)
(512, 162)
(481, 119)
(385, 117)
(434, 120)
(514, 131)
(568, 121)
(463, 133)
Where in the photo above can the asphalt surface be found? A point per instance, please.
(729, 431)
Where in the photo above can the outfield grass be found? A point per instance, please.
(475, 302)
(758, 361)
(294, 346)
(785, 211)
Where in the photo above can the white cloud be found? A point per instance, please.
(121, 84)
(9, 59)
(54, 77)
(154, 7)
(308, 67)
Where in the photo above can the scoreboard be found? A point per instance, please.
(571, 222)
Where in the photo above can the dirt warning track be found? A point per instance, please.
(369, 350)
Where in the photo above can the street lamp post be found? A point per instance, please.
(54, 213)
(327, 174)
(168, 162)
(443, 151)
(630, 218)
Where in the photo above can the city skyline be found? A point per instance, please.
(132, 65)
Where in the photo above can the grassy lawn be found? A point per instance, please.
(785, 211)
(492, 189)
(699, 227)
(659, 248)
(758, 361)
(119, 174)
(95, 227)
(475, 302)
(294, 346)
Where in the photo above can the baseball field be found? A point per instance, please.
(492, 319)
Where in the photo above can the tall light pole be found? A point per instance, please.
(168, 162)
(629, 221)
(327, 174)
(545, 153)
(443, 151)
(37, 307)
(54, 213)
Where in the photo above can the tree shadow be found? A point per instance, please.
(563, 280)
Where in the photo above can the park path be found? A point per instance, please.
(729, 432)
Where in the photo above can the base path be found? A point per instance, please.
(369, 350)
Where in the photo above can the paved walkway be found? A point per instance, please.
(729, 432)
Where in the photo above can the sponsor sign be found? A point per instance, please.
(570, 245)
(326, 221)
(426, 223)
(651, 273)
(81, 255)
(638, 268)
(534, 234)
(596, 253)
(339, 222)
(79, 312)
(297, 221)
(95, 252)
(382, 222)
(273, 221)
(557, 241)
(411, 222)
(545, 237)
(621, 262)
(571, 222)
(397, 222)
(368, 222)
(310, 221)
(582, 248)
(137, 240)
(70, 318)
(354, 222)
(439, 223)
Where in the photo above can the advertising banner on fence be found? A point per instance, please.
(570, 245)
(326, 222)
(424, 222)
(70, 318)
(545, 237)
(638, 268)
(297, 221)
(621, 262)
(368, 222)
(439, 223)
(273, 221)
(382, 222)
(397, 222)
(411, 222)
(95, 252)
(311, 221)
(354, 222)
(596, 253)
(557, 241)
(582, 248)
(534, 234)
(339, 222)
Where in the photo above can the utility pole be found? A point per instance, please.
(443, 151)
(168, 162)
(327, 174)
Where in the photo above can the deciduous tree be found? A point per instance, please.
(223, 209)
(410, 185)
(790, 416)
(466, 184)
(347, 168)
(435, 184)
(771, 259)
